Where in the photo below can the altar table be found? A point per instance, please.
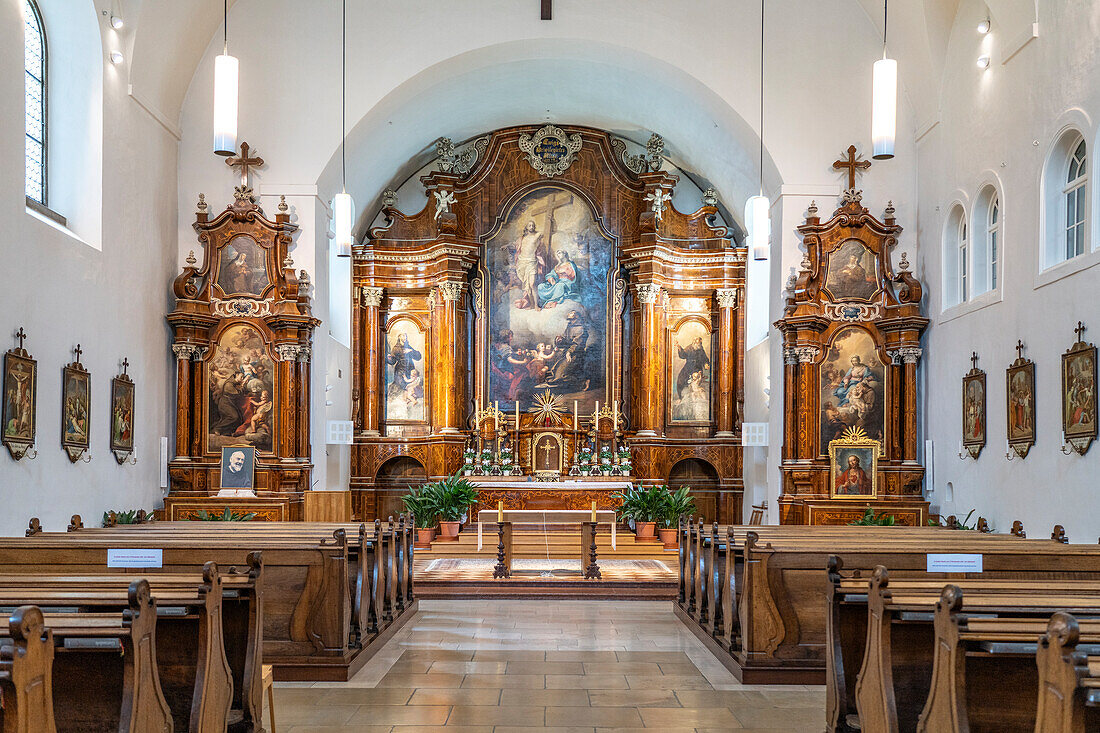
(545, 517)
(573, 492)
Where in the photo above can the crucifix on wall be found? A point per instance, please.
(853, 165)
(245, 162)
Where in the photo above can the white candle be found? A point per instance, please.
(615, 414)
(574, 414)
(517, 413)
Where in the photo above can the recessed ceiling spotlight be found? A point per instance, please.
(983, 26)
(116, 22)
(983, 62)
(116, 57)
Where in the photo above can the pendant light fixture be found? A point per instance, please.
(757, 208)
(343, 208)
(226, 71)
(884, 99)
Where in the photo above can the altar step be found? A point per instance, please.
(533, 544)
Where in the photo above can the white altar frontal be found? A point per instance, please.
(545, 519)
(532, 483)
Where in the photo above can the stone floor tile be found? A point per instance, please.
(627, 668)
(668, 682)
(582, 656)
(721, 698)
(333, 728)
(314, 715)
(686, 668)
(434, 679)
(545, 667)
(506, 681)
(544, 729)
(659, 657)
(508, 655)
(443, 729)
(454, 696)
(361, 696)
(663, 718)
(401, 715)
(599, 717)
(482, 667)
(586, 682)
(632, 698)
(523, 715)
(546, 698)
(780, 717)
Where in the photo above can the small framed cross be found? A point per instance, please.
(1019, 349)
(78, 351)
(21, 335)
(1080, 331)
(125, 365)
(245, 162)
(852, 164)
(974, 360)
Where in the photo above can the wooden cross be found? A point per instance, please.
(974, 360)
(548, 206)
(853, 164)
(125, 364)
(546, 448)
(547, 9)
(21, 334)
(78, 351)
(245, 162)
(1080, 331)
(1019, 349)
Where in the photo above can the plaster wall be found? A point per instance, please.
(996, 126)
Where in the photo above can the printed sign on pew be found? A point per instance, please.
(954, 563)
(135, 558)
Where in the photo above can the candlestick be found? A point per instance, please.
(574, 414)
(615, 415)
(517, 413)
(597, 417)
(593, 511)
(500, 512)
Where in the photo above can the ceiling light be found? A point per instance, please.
(983, 61)
(983, 27)
(116, 57)
(757, 208)
(116, 22)
(884, 99)
(342, 205)
(226, 83)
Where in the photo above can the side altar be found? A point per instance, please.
(548, 278)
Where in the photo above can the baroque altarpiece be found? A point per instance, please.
(851, 344)
(548, 296)
(242, 334)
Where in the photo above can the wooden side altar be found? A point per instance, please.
(548, 265)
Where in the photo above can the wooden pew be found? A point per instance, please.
(1068, 680)
(195, 676)
(984, 675)
(104, 674)
(26, 663)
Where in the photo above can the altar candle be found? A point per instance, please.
(615, 414)
(517, 414)
(593, 511)
(500, 512)
(574, 414)
(597, 415)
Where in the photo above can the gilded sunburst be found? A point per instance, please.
(549, 408)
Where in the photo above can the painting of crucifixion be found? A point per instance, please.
(548, 266)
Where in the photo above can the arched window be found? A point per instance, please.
(962, 257)
(955, 251)
(985, 250)
(35, 66)
(993, 238)
(1076, 203)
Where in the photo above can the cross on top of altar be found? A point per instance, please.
(244, 162)
(852, 164)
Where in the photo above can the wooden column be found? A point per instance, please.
(452, 358)
(807, 418)
(286, 354)
(910, 355)
(648, 381)
(370, 367)
(305, 354)
(790, 402)
(198, 389)
(727, 361)
(183, 397)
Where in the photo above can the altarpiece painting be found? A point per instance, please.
(242, 267)
(548, 274)
(690, 383)
(405, 397)
(852, 387)
(852, 273)
(241, 387)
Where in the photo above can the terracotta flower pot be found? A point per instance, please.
(645, 530)
(424, 536)
(448, 531)
(669, 536)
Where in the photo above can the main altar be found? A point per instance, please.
(550, 325)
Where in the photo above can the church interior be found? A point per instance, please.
(696, 365)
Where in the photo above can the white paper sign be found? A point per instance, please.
(954, 563)
(130, 558)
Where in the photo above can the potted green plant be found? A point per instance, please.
(678, 504)
(645, 506)
(870, 519)
(454, 495)
(424, 507)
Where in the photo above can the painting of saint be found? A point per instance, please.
(548, 267)
(242, 267)
(1079, 392)
(241, 383)
(852, 272)
(853, 387)
(74, 408)
(238, 467)
(974, 410)
(122, 415)
(19, 398)
(1021, 403)
(689, 398)
(405, 399)
(853, 469)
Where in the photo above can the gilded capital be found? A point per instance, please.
(372, 297)
(727, 297)
(647, 292)
(806, 354)
(451, 290)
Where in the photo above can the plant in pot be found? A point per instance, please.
(645, 506)
(424, 507)
(679, 504)
(454, 496)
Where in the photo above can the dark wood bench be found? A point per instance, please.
(26, 664)
(1069, 679)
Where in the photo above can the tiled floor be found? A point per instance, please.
(562, 666)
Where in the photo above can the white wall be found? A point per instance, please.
(111, 299)
(997, 125)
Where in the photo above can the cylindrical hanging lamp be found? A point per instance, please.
(343, 208)
(884, 100)
(757, 209)
(226, 84)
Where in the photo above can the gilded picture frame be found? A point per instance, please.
(76, 400)
(974, 409)
(20, 403)
(1020, 406)
(1078, 396)
(690, 350)
(122, 417)
(849, 459)
(553, 449)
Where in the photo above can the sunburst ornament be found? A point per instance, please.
(855, 433)
(549, 408)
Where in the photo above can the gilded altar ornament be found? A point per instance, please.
(1079, 399)
(550, 151)
(20, 405)
(657, 200)
(443, 201)
(549, 408)
(460, 163)
(853, 466)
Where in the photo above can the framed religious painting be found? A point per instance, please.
(75, 409)
(852, 384)
(853, 466)
(973, 410)
(404, 373)
(689, 398)
(547, 455)
(1079, 400)
(241, 386)
(19, 410)
(238, 467)
(1020, 402)
(852, 273)
(122, 415)
(242, 268)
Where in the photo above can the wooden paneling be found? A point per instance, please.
(327, 506)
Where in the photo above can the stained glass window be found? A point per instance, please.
(34, 65)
